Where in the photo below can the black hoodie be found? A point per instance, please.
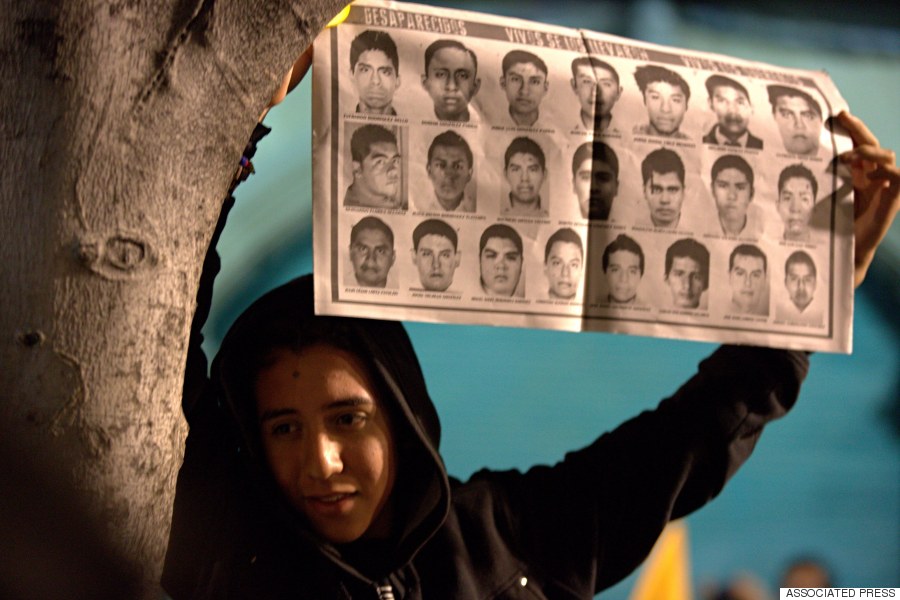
(566, 531)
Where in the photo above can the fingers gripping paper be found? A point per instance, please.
(476, 169)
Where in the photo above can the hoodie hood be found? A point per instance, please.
(284, 319)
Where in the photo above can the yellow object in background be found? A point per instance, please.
(666, 574)
(339, 18)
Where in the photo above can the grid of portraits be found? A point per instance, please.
(488, 175)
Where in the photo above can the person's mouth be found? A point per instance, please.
(331, 504)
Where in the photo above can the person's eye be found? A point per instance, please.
(284, 428)
(353, 420)
(462, 76)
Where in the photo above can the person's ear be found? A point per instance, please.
(412, 255)
(475, 87)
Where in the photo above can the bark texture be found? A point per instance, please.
(121, 123)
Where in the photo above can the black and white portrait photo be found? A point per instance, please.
(666, 95)
(500, 261)
(798, 117)
(797, 189)
(802, 305)
(732, 190)
(596, 85)
(623, 267)
(451, 79)
(450, 168)
(371, 252)
(563, 263)
(525, 170)
(375, 72)
(435, 254)
(749, 280)
(525, 83)
(595, 179)
(662, 172)
(687, 274)
(730, 102)
(376, 169)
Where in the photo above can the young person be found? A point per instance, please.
(312, 468)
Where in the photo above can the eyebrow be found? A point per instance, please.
(351, 402)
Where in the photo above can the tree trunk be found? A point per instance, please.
(122, 122)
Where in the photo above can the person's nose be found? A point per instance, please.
(376, 77)
(732, 194)
(323, 456)
(450, 83)
(566, 270)
(665, 106)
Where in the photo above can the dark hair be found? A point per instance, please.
(662, 160)
(732, 161)
(373, 40)
(623, 242)
(777, 91)
(594, 62)
(499, 230)
(440, 45)
(524, 145)
(434, 227)
(598, 151)
(371, 223)
(514, 57)
(689, 248)
(566, 235)
(800, 257)
(451, 139)
(747, 250)
(363, 138)
(800, 171)
(714, 81)
(647, 74)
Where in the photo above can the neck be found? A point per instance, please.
(525, 119)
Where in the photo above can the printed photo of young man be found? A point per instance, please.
(500, 261)
(730, 102)
(371, 252)
(687, 274)
(797, 189)
(801, 306)
(732, 190)
(662, 172)
(375, 72)
(623, 266)
(749, 280)
(524, 80)
(451, 79)
(798, 117)
(666, 95)
(525, 169)
(377, 169)
(596, 85)
(450, 172)
(595, 179)
(435, 254)
(563, 264)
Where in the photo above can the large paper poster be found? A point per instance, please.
(476, 169)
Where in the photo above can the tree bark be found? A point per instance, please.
(121, 122)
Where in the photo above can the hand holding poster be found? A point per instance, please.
(476, 169)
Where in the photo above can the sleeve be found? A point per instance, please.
(204, 479)
(587, 522)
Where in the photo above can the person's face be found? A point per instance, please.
(664, 193)
(328, 442)
(372, 256)
(525, 176)
(685, 280)
(732, 110)
(595, 186)
(748, 279)
(623, 274)
(451, 82)
(436, 260)
(733, 193)
(375, 80)
(798, 124)
(800, 283)
(379, 172)
(666, 105)
(596, 88)
(795, 205)
(501, 265)
(449, 171)
(563, 269)
(525, 86)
